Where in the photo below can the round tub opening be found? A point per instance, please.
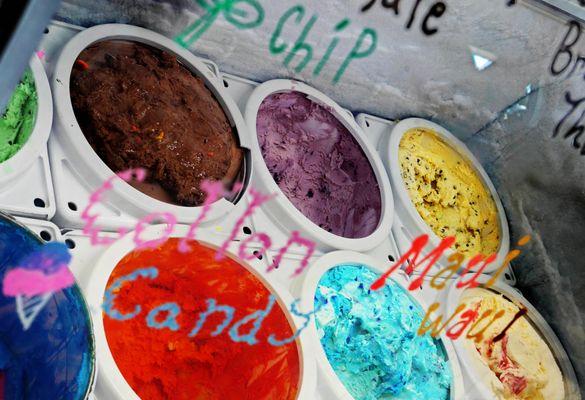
(318, 165)
(448, 193)
(140, 107)
(370, 338)
(203, 329)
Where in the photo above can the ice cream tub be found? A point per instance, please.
(330, 183)
(170, 323)
(127, 97)
(526, 362)
(47, 348)
(23, 151)
(366, 341)
(441, 190)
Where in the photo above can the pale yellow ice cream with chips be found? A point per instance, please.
(448, 193)
(520, 366)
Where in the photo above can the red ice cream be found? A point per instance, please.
(169, 364)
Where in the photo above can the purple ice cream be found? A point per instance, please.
(318, 165)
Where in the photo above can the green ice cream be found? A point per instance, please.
(18, 121)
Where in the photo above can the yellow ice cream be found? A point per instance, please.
(448, 193)
(520, 366)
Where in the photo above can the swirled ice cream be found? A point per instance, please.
(370, 338)
(520, 366)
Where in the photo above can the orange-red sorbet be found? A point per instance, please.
(165, 364)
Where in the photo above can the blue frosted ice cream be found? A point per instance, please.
(370, 338)
(54, 357)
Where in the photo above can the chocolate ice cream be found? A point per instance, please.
(139, 107)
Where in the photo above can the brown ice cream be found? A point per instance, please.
(139, 107)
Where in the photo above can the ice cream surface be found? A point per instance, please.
(55, 357)
(178, 364)
(370, 338)
(520, 366)
(139, 107)
(448, 193)
(318, 165)
(18, 120)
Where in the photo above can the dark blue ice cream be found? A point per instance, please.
(54, 357)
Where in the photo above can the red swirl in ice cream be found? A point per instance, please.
(520, 366)
(318, 165)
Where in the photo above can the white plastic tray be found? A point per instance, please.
(32, 194)
(47, 230)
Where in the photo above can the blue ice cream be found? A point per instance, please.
(370, 338)
(54, 358)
